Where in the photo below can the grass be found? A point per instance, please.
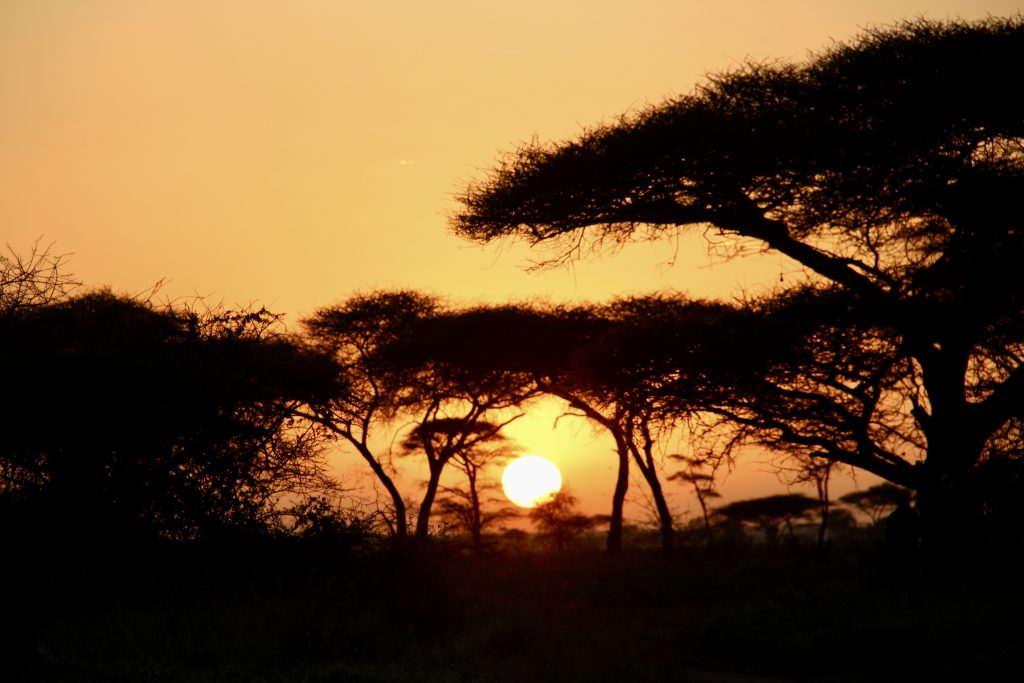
(745, 612)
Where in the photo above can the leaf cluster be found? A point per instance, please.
(140, 421)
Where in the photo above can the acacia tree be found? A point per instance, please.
(460, 439)
(827, 387)
(877, 501)
(475, 507)
(889, 167)
(545, 348)
(559, 520)
(770, 514)
(658, 368)
(702, 482)
(373, 388)
(636, 367)
(459, 392)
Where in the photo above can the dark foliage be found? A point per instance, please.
(398, 354)
(771, 513)
(876, 501)
(372, 387)
(128, 421)
(34, 279)
(890, 169)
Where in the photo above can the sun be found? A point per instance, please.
(530, 480)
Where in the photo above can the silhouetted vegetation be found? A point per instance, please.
(38, 278)
(462, 440)
(134, 422)
(770, 514)
(876, 502)
(559, 520)
(702, 482)
(298, 612)
(167, 513)
(477, 508)
(889, 168)
(370, 388)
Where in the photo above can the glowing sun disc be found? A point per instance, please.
(531, 480)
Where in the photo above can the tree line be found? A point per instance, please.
(887, 168)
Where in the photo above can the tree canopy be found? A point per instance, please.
(133, 421)
(372, 389)
(871, 164)
(889, 168)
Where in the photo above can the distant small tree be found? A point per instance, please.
(877, 501)
(559, 520)
(817, 471)
(702, 482)
(475, 507)
(770, 513)
(463, 441)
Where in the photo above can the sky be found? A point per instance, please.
(292, 153)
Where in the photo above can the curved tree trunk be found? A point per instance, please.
(401, 526)
(666, 528)
(645, 461)
(614, 542)
(423, 516)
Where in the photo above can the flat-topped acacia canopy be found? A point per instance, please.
(891, 167)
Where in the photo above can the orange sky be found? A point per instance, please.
(291, 153)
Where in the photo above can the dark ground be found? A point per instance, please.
(290, 611)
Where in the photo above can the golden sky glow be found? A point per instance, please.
(292, 153)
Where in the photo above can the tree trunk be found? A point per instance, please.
(423, 516)
(647, 468)
(614, 545)
(709, 532)
(614, 542)
(477, 523)
(952, 522)
(822, 482)
(668, 534)
(401, 526)
(950, 506)
(951, 510)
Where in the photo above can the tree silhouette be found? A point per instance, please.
(135, 422)
(475, 508)
(876, 501)
(655, 368)
(889, 167)
(702, 483)
(371, 387)
(398, 357)
(463, 440)
(558, 519)
(636, 367)
(544, 348)
(770, 513)
(34, 279)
